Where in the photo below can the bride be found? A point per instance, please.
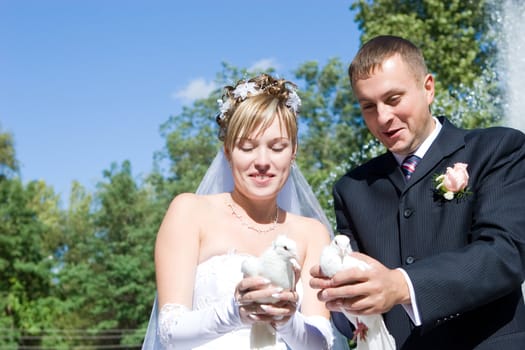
(252, 193)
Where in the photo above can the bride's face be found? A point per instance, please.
(261, 162)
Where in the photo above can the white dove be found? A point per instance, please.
(278, 264)
(371, 332)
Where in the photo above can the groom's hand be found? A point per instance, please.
(372, 291)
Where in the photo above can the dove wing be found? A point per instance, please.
(251, 266)
(277, 270)
(350, 262)
(330, 261)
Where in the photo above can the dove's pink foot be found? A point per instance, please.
(361, 331)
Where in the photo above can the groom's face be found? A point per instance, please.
(395, 105)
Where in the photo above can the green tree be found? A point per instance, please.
(329, 116)
(106, 280)
(127, 223)
(120, 289)
(8, 162)
(330, 124)
(452, 34)
(26, 261)
(73, 253)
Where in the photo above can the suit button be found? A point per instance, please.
(407, 213)
(409, 260)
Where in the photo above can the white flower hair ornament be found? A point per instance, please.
(452, 184)
(293, 102)
(242, 90)
(248, 89)
(224, 106)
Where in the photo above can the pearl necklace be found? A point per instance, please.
(251, 227)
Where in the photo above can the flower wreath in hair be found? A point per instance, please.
(263, 83)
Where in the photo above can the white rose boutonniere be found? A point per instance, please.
(452, 184)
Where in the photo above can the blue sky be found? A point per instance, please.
(87, 83)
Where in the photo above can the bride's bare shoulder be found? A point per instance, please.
(189, 201)
(308, 227)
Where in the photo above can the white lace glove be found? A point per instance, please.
(190, 328)
(303, 333)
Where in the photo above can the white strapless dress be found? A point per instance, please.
(215, 282)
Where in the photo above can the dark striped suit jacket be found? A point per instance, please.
(465, 257)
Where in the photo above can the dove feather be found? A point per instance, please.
(277, 265)
(334, 258)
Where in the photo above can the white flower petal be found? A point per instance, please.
(448, 195)
(294, 101)
(242, 90)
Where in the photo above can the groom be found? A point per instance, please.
(448, 253)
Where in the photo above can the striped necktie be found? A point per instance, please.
(409, 165)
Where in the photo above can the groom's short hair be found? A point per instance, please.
(374, 52)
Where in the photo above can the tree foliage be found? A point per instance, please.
(452, 34)
(26, 284)
(8, 162)
(108, 272)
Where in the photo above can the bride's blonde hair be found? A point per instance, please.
(254, 104)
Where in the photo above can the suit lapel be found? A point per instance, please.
(449, 140)
(387, 167)
(396, 175)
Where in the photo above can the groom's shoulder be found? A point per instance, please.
(495, 141)
(495, 134)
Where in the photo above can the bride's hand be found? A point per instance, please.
(259, 301)
(284, 309)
